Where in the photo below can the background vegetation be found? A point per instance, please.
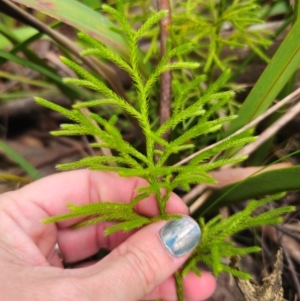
(247, 37)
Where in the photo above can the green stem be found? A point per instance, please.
(178, 280)
(160, 202)
(166, 198)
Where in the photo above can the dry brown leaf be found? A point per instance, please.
(232, 175)
(271, 288)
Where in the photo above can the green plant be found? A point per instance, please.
(215, 30)
(153, 164)
(212, 17)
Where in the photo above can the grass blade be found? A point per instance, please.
(21, 33)
(68, 90)
(81, 17)
(282, 66)
(270, 182)
(21, 161)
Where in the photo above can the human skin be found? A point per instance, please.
(137, 268)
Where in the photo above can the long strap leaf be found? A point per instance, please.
(81, 17)
(270, 182)
(284, 63)
(21, 161)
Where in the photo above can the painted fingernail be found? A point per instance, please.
(180, 236)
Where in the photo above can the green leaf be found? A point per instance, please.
(74, 92)
(284, 63)
(91, 3)
(25, 80)
(98, 48)
(270, 182)
(109, 210)
(21, 161)
(128, 225)
(21, 33)
(82, 18)
(150, 22)
(92, 162)
(57, 108)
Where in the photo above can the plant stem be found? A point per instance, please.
(166, 77)
(178, 281)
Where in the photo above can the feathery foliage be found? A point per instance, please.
(215, 245)
(153, 164)
(129, 161)
(237, 15)
(223, 23)
(214, 32)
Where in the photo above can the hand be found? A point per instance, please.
(139, 266)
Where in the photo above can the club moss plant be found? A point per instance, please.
(152, 165)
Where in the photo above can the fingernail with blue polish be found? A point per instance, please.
(180, 236)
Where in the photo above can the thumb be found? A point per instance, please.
(145, 260)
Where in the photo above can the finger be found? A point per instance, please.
(195, 288)
(50, 196)
(143, 261)
(88, 240)
(83, 187)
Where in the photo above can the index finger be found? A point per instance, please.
(84, 187)
(50, 196)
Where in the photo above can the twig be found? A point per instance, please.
(193, 193)
(287, 232)
(251, 124)
(270, 131)
(27, 106)
(53, 160)
(292, 270)
(87, 146)
(280, 122)
(200, 201)
(166, 77)
(83, 150)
